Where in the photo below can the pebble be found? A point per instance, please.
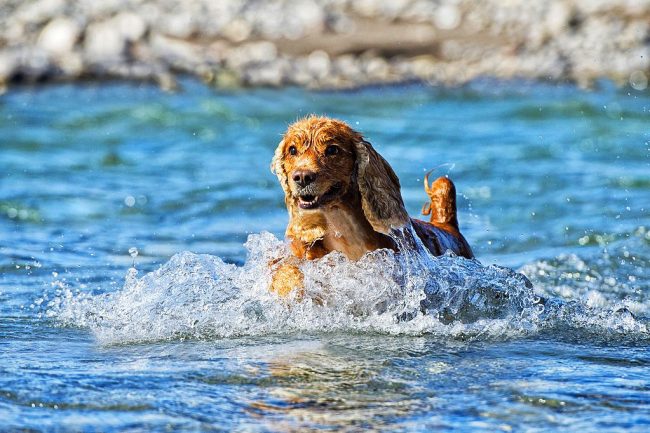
(59, 36)
(318, 63)
(447, 17)
(103, 42)
(7, 66)
(130, 25)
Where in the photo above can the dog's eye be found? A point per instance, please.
(293, 150)
(331, 150)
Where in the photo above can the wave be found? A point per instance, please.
(200, 296)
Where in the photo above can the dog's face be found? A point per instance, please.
(319, 159)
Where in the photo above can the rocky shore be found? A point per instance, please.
(324, 43)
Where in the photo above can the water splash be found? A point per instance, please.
(200, 296)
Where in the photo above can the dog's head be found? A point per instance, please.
(319, 160)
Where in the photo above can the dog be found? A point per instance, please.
(341, 195)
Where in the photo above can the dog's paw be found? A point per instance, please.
(287, 278)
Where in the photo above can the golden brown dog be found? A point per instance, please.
(343, 196)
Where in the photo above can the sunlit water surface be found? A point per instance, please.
(133, 298)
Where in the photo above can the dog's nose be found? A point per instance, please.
(303, 177)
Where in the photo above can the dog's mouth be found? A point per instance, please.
(310, 201)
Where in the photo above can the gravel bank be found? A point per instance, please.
(325, 43)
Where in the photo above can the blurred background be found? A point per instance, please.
(324, 43)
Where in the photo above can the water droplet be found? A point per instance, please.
(133, 252)
(638, 80)
(131, 277)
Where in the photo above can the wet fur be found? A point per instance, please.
(362, 201)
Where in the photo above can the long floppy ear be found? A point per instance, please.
(379, 186)
(277, 167)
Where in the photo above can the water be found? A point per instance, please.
(129, 302)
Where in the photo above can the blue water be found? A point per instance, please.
(553, 182)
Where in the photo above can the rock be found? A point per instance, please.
(366, 8)
(166, 81)
(27, 64)
(348, 67)
(318, 64)
(253, 52)
(423, 67)
(8, 64)
(298, 74)
(237, 30)
(104, 43)
(71, 64)
(340, 23)
(377, 69)
(268, 74)
(181, 25)
(15, 30)
(149, 12)
(217, 51)
(131, 26)
(306, 17)
(226, 79)
(419, 11)
(178, 53)
(391, 10)
(39, 11)
(59, 36)
(261, 51)
(447, 17)
(558, 17)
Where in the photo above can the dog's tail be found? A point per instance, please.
(442, 204)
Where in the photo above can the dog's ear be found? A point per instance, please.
(379, 186)
(277, 167)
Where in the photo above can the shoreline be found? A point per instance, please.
(479, 84)
(326, 44)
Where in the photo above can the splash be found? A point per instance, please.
(200, 296)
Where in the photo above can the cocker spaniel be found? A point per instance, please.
(343, 196)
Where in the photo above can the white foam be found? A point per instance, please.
(200, 296)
